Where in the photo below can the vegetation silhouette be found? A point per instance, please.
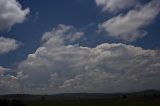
(14, 102)
(4, 102)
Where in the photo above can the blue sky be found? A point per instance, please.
(130, 28)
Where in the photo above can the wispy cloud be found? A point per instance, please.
(115, 5)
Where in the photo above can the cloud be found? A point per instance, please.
(58, 66)
(131, 26)
(115, 5)
(8, 44)
(11, 13)
(8, 83)
(3, 70)
(63, 34)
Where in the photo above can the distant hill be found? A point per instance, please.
(73, 96)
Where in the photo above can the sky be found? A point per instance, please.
(70, 46)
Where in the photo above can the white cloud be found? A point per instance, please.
(58, 67)
(115, 5)
(11, 13)
(63, 34)
(129, 27)
(8, 44)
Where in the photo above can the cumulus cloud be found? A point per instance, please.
(8, 83)
(8, 44)
(130, 27)
(58, 67)
(11, 13)
(61, 65)
(115, 5)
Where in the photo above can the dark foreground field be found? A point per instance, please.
(147, 98)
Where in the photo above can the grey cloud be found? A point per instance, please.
(8, 83)
(11, 13)
(8, 44)
(129, 27)
(3, 70)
